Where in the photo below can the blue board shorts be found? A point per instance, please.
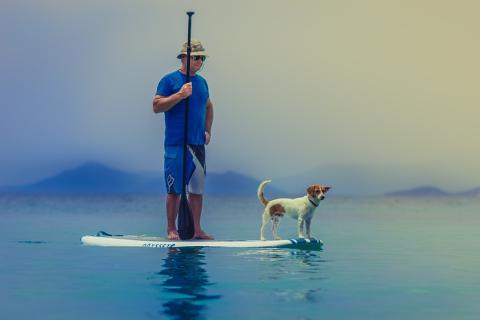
(173, 169)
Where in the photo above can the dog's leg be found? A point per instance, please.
(300, 227)
(265, 219)
(307, 225)
(275, 223)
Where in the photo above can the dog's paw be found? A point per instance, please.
(263, 239)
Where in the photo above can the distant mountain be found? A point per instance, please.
(99, 178)
(92, 178)
(470, 193)
(426, 191)
(230, 183)
(429, 191)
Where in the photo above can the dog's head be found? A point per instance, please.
(317, 191)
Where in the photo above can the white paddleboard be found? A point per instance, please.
(107, 240)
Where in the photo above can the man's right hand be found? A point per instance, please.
(186, 90)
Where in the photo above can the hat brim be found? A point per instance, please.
(197, 53)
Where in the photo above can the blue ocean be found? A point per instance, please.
(383, 258)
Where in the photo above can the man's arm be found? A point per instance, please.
(163, 104)
(208, 121)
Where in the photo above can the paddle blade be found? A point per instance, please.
(185, 220)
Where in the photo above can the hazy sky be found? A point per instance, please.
(376, 94)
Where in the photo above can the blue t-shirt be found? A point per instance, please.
(197, 109)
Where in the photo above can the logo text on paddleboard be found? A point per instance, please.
(158, 245)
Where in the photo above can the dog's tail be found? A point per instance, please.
(260, 195)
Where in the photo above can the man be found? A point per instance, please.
(170, 99)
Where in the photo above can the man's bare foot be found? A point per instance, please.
(173, 235)
(202, 236)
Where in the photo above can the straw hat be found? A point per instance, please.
(197, 49)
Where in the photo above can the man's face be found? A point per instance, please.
(196, 62)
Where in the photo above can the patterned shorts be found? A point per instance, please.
(173, 168)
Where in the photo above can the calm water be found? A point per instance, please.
(383, 259)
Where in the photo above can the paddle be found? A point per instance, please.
(185, 218)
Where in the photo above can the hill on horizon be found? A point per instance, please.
(95, 177)
(424, 191)
(99, 178)
(431, 191)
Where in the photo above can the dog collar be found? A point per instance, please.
(313, 203)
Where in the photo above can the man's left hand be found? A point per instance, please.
(207, 137)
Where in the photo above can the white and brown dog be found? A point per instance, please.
(301, 209)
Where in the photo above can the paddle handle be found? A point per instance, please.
(189, 45)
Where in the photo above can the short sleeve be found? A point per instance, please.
(164, 87)
(206, 87)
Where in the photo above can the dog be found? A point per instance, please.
(301, 209)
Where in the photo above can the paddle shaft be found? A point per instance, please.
(185, 218)
(187, 100)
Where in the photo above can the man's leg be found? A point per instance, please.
(172, 203)
(196, 187)
(196, 202)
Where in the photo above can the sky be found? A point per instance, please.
(367, 96)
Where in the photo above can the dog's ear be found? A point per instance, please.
(311, 190)
(326, 188)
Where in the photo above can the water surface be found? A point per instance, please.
(384, 258)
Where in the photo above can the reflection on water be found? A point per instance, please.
(294, 276)
(299, 260)
(186, 281)
(298, 295)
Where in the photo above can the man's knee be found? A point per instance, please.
(195, 200)
(195, 195)
(173, 197)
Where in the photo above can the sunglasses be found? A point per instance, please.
(196, 58)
